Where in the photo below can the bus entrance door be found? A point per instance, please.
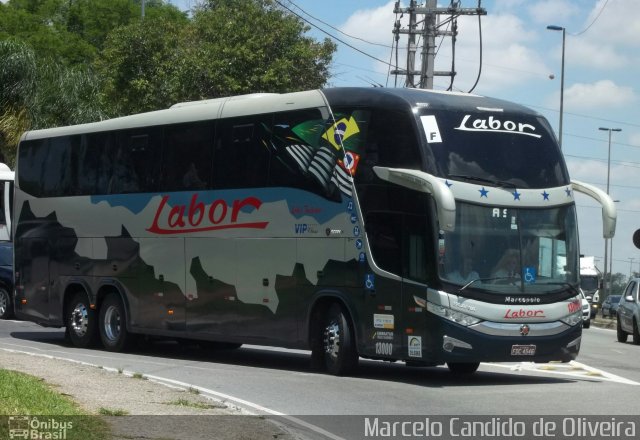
(32, 279)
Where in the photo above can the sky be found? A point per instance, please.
(521, 62)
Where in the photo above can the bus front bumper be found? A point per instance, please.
(502, 342)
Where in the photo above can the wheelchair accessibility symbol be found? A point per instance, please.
(369, 281)
(529, 275)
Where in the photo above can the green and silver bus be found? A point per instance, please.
(394, 224)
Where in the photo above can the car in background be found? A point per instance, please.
(610, 306)
(629, 312)
(6, 280)
(586, 310)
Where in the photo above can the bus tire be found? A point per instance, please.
(112, 324)
(338, 342)
(463, 368)
(82, 322)
(6, 305)
(622, 335)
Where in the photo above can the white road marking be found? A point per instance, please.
(186, 386)
(572, 369)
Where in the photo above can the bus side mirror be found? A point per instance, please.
(609, 213)
(427, 183)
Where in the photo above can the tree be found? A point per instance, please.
(139, 66)
(18, 79)
(41, 94)
(229, 47)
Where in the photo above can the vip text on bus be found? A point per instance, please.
(393, 224)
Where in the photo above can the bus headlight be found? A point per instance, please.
(452, 315)
(573, 319)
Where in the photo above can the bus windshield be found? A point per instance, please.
(505, 149)
(510, 250)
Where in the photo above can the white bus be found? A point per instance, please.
(6, 201)
(392, 224)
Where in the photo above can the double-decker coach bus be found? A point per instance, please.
(392, 224)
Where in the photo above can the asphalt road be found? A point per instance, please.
(277, 382)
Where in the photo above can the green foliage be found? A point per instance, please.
(139, 65)
(85, 59)
(39, 94)
(228, 48)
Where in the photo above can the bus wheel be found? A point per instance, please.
(6, 309)
(463, 367)
(338, 342)
(113, 329)
(81, 321)
(622, 335)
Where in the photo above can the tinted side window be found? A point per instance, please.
(187, 156)
(87, 167)
(48, 168)
(31, 160)
(241, 157)
(101, 148)
(136, 163)
(295, 139)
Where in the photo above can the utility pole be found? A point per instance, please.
(429, 32)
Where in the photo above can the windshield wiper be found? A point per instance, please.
(510, 280)
(496, 183)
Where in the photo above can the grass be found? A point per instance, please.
(139, 376)
(112, 412)
(24, 395)
(185, 402)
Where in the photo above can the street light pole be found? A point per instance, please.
(607, 286)
(560, 28)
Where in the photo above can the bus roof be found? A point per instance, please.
(434, 99)
(259, 103)
(194, 111)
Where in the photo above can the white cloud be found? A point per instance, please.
(553, 12)
(595, 54)
(599, 95)
(618, 23)
(508, 55)
(372, 24)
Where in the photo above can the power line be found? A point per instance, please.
(337, 29)
(330, 35)
(594, 20)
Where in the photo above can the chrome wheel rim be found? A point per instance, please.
(80, 319)
(112, 323)
(332, 340)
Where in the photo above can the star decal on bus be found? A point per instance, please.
(568, 191)
(483, 192)
(545, 195)
(516, 194)
(449, 184)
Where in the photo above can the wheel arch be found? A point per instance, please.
(70, 290)
(319, 306)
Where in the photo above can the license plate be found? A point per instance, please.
(523, 350)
